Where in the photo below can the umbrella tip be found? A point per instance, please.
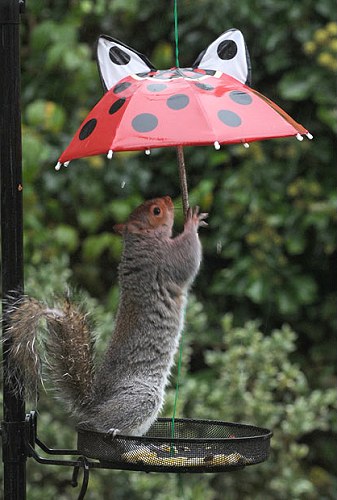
(110, 153)
(299, 137)
(309, 136)
(147, 152)
(246, 145)
(58, 165)
(217, 145)
(66, 163)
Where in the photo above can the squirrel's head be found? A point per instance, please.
(153, 215)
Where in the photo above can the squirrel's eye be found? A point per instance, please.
(156, 211)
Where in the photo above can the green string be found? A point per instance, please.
(176, 31)
(181, 341)
(177, 391)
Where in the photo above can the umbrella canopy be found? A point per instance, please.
(209, 103)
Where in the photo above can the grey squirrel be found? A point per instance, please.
(125, 394)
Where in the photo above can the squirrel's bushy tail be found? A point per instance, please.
(64, 351)
(24, 362)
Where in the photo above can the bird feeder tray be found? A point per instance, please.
(197, 446)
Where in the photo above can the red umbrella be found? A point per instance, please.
(178, 107)
(209, 103)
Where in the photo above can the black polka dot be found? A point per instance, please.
(118, 56)
(156, 87)
(229, 118)
(227, 49)
(204, 86)
(178, 101)
(116, 105)
(240, 97)
(145, 122)
(121, 86)
(88, 129)
(145, 73)
(210, 72)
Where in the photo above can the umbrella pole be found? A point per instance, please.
(183, 179)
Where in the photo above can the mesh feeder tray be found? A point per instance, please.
(197, 446)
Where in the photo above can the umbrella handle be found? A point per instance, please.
(183, 179)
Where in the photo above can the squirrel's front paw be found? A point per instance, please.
(195, 218)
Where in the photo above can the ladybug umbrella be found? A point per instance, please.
(209, 103)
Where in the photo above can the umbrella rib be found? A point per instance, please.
(205, 114)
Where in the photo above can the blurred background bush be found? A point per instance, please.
(260, 341)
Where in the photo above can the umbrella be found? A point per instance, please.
(209, 103)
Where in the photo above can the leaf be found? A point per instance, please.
(255, 291)
(66, 236)
(298, 85)
(95, 246)
(45, 115)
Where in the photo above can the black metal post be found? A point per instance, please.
(14, 455)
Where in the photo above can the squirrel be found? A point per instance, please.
(126, 392)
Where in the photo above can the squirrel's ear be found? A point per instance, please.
(119, 228)
(116, 61)
(228, 54)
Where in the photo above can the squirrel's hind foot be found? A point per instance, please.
(113, 432)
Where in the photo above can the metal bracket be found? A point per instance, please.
(31, 439)
(20, 439)
(86, 469)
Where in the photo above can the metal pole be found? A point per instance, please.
(14, 455)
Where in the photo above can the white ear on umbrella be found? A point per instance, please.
(228, 54)
(116, 61)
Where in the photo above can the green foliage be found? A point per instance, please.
(252, 377)
(268, 252)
